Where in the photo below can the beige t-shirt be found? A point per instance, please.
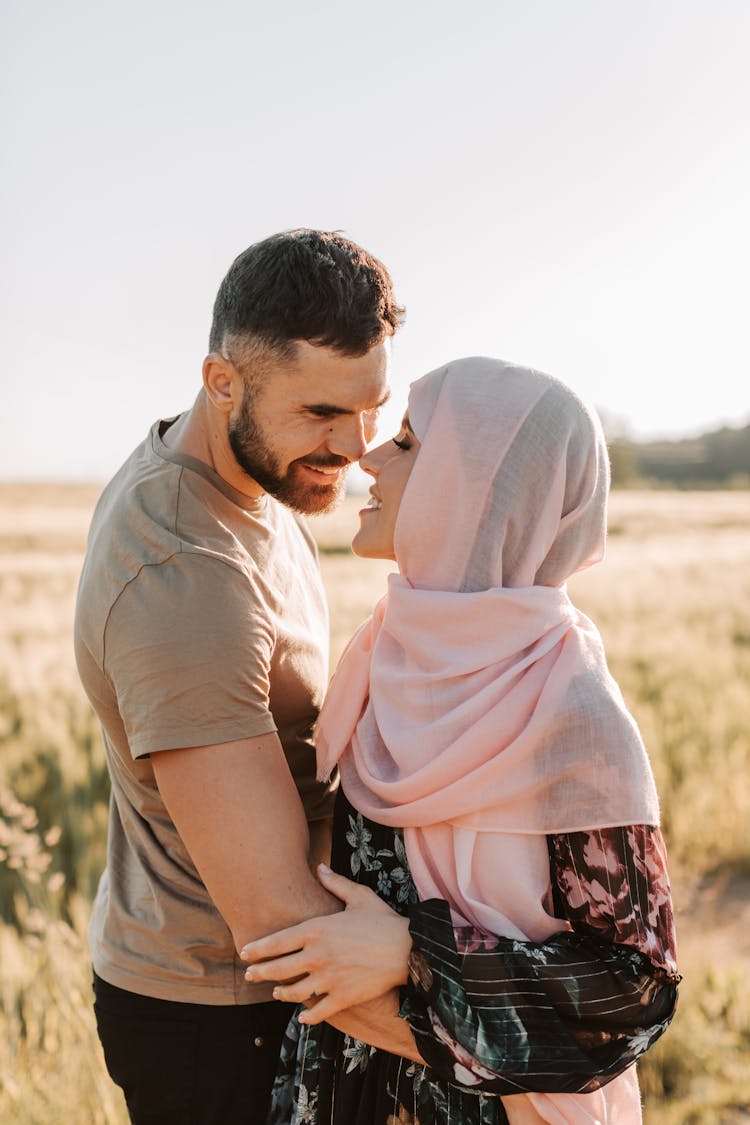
(201, 619)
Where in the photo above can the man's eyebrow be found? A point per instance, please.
(325, 408)
(332, 410)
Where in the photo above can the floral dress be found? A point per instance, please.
(493, 1015)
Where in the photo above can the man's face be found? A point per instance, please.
(297, 431)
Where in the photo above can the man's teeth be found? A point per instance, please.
(375, 503)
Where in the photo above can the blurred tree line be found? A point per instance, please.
(720, 459)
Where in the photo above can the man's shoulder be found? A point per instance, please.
(161, 528)
(156, 506)
(143, 521)
(135, 518)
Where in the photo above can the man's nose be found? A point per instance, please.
(348, 438)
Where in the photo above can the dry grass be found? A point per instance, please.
(671, 600)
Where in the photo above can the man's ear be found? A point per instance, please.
(223, 382)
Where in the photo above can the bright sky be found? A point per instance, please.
(561, 184)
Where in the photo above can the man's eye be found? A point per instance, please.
(401, 444)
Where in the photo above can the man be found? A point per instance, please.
(201, 640)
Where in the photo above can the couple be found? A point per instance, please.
(506, 951)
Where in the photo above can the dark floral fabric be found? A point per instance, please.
(614, 883)
(492, 1015)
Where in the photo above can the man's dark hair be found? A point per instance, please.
(305, 285)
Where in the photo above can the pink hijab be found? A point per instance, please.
(474, 709)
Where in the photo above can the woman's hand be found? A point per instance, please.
(334, 962)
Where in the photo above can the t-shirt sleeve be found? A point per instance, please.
(188, 649)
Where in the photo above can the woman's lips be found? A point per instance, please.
(373, 505)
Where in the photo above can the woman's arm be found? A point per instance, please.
(614, 882)
(504, 1016)
(564, 1015)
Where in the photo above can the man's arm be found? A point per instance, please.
(238, 813)
(237, 810)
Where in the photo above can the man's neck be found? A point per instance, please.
(199, 433)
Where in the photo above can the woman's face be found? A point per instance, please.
(389, 465)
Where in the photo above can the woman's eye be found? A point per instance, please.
(401, 444)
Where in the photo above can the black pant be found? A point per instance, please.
(190, 1064)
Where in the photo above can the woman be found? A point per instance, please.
(496, 794)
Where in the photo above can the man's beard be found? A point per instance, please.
(257, 459)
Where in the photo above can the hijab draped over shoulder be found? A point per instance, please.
(474, 708)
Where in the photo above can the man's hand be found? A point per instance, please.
(342, 960)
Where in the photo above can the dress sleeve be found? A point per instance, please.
(565, 1015)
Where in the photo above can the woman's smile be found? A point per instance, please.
(390, 464)
(374, 504)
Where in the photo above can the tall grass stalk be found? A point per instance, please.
(51, 1066)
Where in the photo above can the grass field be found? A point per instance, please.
(673, 603)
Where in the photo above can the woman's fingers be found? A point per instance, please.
(279, 968)
(340, 886)
(318, 1007)
(276, 945)
(298, 993)
(294, 938)
(323, 1008)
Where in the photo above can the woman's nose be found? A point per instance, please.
(373, 460)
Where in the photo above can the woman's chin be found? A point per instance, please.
(360, 549)
(370, 550)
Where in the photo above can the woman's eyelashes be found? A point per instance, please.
(401, 443)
